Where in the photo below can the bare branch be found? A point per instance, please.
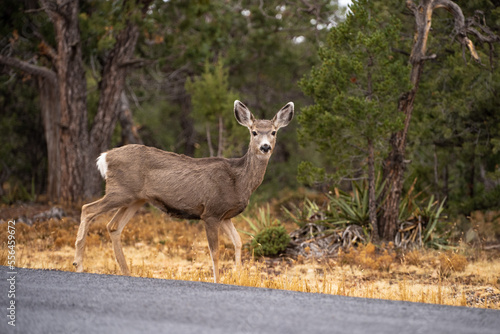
(463, 27)
(46, 49)
(36, 10)
(28, 68)
(432, 56)
(135, 62)
(454, 10)
(50, 8)
(411, 6)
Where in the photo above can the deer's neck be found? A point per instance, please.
(253, 169)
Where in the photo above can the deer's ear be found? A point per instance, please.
(284, 116)
(243, 114)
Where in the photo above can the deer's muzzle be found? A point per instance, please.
(265, 148)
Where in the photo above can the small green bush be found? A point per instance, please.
(271, 241)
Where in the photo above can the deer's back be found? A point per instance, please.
(182, 186)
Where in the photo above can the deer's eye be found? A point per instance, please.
(254, 133)
(273, 133)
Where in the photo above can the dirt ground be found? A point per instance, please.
(157, 246)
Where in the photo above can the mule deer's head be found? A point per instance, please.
(263, 132)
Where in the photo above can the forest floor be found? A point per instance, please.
(159, 247)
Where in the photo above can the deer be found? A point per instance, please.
(213, 189)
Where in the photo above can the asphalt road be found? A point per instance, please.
(66, 302)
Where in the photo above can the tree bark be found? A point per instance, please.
(187, 125)
(111, 87)
(220, 147)
(72, 89)
(394, 165)
(372, 196)
(51, 114)
(129, 134)
(209, 140)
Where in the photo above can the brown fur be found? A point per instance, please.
(212, 189)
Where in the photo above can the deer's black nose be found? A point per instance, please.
(265, 148)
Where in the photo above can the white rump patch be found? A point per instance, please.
(102, 165)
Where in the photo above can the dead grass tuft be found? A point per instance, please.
(451, 263)
(413, 257)
(368, 257)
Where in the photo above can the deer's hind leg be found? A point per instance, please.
(115, 228)
(89, 212)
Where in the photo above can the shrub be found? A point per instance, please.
(269, 237)
(271, 241)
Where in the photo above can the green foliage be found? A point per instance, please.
(266, 47)
(355, 90)
(424, 225)
(270, 242)
(343, 208)
(310, 174)
(305, 213)
(456, 126)
(211, 96)
(263, 221)
(22, 150)
(212, 101)
(101, 21)
(269, 237)
(422, 222)
(432, 215)
(352, 208)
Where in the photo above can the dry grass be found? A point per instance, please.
(158, 247)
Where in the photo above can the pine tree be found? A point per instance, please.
(355, 91)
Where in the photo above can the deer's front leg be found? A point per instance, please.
(230, 230)
(212, 229)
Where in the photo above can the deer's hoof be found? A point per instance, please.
(79, 267)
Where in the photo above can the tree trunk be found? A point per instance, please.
(220, 148)
(394, 164)
(372, 197)
(129, 134)
(209, 140)
(471, 175)
(111, 88)
(394, 167)
(436, 174)
(72, 89)
(50, 108)
(187, 125)
(445, 182)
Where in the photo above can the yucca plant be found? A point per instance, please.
(422, 224)
(432, 215)
(262, 221)
(353, 208)
(307, 213)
